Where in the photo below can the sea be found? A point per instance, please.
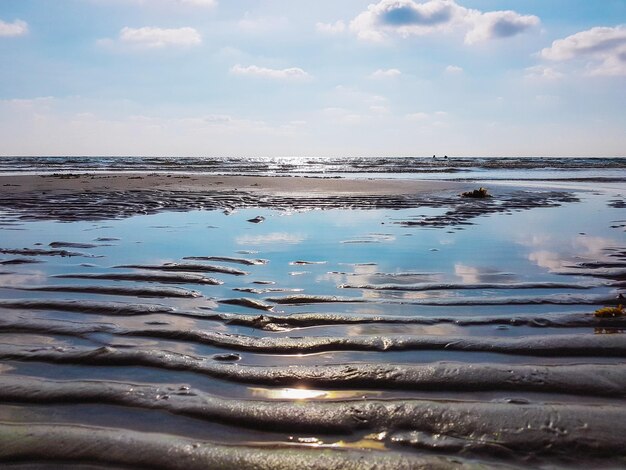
(444, 167)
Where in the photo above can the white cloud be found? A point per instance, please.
(541, 72)
(345, 116)
(42, 101)
(379, 109)
(417, 116)
(173, 3)
(150, 37)
(262, 24)
(17, 28)
(454, 69)
(353, 97)
(603, 49)
(331, 28)
(292, 73)
(403, 17)
(199, 3)
(389, 73)
(421, 116)
(411, 18)
(499, 24)
(334, 111)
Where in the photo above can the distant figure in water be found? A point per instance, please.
(434, 156)
(445, 156)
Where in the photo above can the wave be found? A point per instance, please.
(294, 165)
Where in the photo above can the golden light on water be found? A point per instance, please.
(302, 393)
(287, 393)
(371, 441)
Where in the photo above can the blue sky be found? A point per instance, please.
(313, 78)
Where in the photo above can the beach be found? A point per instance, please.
(198, 182)
(193, 319)
(360, 235)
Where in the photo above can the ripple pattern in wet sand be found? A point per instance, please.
(407, 371)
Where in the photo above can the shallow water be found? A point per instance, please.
(355, 287)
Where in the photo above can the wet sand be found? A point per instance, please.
(264, 184)
(99, 197)
(290, 322)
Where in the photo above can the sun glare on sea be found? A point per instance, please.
(288, 393)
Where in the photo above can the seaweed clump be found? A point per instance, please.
(610, 312)
(479, 193)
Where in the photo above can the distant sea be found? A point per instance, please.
(440, 168)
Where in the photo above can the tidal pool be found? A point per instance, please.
(463, 316)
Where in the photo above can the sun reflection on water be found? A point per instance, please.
(374, 441)
(287, 393)
(301, 393)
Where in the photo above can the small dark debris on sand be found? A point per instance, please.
(227, 357)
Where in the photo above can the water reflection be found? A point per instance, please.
(274, 238)
(370, 273)
(481, 274)
(371, 294)
(557, 254)
(483, 253)
(302, 393)
(373, 441)
(23, 279)
(287, 393)
(548, 259)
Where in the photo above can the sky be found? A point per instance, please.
(313, 78)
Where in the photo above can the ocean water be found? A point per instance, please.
(451, 168)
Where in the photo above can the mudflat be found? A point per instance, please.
(291, 321)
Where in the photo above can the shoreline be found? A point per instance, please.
(113, 196)
(196, 182)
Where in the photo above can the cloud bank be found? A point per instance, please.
(412, 18)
